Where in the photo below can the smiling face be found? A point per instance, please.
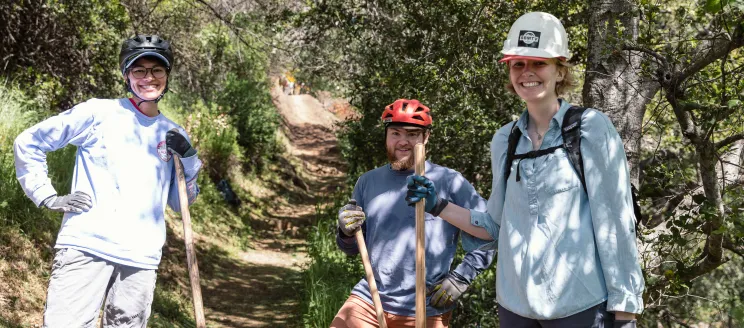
(147, 87)
(399, 143)
(535, 80)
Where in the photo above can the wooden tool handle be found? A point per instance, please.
(419, 154)
(370, 278)
(188, 239)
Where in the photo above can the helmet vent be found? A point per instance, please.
(419, 109)
(418, 117)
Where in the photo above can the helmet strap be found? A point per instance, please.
(156, 100)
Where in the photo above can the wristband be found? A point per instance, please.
(439, 207)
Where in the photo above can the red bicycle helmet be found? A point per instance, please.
(407, 112)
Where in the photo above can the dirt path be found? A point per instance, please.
(264, 287)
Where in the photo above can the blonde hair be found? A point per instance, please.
(569, 80)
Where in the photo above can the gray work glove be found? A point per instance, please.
(350, 218)
(624, 324)
(447, 291)
(77, 202)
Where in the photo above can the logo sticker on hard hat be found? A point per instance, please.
(530, 39)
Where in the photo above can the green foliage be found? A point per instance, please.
(26, 232)
(331, 274)
(255, 119)
(477, 306)
(75, 53)
(212, 134)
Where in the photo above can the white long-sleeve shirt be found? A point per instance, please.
(123, 164)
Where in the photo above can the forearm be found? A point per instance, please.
(624, 316)
(460, 217)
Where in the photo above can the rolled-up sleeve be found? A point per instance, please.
(610, 201)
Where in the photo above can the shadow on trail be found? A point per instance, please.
(235, 293)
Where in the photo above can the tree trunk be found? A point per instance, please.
(614, 82)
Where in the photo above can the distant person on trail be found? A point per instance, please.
(113, 228)
(388, 224)
(567, 245)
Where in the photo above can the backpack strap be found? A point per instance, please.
(511, 149)
(571, 133)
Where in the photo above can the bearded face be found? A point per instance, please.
(399, 145)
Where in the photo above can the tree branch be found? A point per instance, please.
(237, 30)
(659, 58)
(737, 249)
(729, 140)
(713, 49)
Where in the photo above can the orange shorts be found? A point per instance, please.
(356, 313)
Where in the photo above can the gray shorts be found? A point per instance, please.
(80, 283)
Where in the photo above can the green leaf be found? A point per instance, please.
(714, 6)
(733, 103)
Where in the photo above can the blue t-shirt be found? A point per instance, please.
(390, 234)
(123, 164)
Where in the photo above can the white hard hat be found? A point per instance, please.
(538, 35)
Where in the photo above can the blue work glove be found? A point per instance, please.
(178, 144)
(419, 187)
(447, 291)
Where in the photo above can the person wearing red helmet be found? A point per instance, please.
(388, 226)
(561, 210)
(113, 228)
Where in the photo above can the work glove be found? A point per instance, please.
(419, 187)
(446, 291)
(178, 144)
(77, 202)
(624, 324)
(350, 218)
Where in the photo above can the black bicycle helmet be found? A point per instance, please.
(142, 46)
(145, 46)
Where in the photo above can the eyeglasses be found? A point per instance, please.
(140, 72)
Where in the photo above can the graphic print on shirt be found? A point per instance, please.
(163, 152)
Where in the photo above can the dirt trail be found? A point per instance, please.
(263, 288)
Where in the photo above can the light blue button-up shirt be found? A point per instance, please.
(562, 250)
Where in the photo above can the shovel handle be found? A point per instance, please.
(188, 239)
(419, 154)
(370, 278)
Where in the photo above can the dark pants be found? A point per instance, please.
(594, 317)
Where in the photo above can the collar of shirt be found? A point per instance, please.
(555, 122)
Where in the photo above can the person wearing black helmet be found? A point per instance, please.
(113, 227)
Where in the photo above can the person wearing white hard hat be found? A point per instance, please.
(560, 212)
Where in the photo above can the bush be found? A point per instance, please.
(254, 117)
(214, 137)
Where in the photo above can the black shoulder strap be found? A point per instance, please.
(571, 132)
(511, 150)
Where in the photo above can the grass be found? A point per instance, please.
(331, 274)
